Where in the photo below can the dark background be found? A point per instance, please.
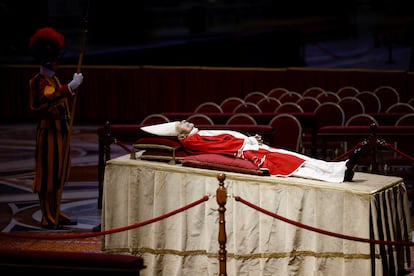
(261, 33)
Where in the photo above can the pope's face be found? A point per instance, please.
(184, 128)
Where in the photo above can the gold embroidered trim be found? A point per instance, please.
(270, 255)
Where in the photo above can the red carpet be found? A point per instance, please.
(92, 244)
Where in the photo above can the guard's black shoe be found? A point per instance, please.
(68, 222)
(97, 228)
(51, 226)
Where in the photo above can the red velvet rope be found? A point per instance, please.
(311, 228)
(122, 145)
(347, 153)
(115, 230)
(388, 145)
(204, 198)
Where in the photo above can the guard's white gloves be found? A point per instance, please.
(75, 82)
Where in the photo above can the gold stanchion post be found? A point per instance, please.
(221, 195)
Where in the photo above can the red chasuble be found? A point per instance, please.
(220, 144)
(280, 164)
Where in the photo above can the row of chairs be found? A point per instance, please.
(325, 113)
(387, 95)
(289, 101)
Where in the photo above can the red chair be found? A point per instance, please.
(288, 132)
(406, 120)
(247, 107)
(372, 103)
(387, 96)
(269, 104)
(358, 120)
(241, 119)
(208, 107)
(308, 103)
(361, 120)
(200, 119)
(347, 91)
(405, 145)
(328, 97)
(230, 103)
(313, 91)
(277, 92)
(400, 108)
(351, 106)
(329, 114)
(254, 97)
(289, 107)
(153, 119)
(292, 96)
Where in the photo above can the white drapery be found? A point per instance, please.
(373, 206)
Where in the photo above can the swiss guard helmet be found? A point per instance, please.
(47, 45)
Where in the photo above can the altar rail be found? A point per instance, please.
(127, 94)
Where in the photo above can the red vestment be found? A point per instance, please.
(278, 163)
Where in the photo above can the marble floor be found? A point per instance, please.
(19, 208)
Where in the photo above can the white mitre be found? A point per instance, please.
(164, 129)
